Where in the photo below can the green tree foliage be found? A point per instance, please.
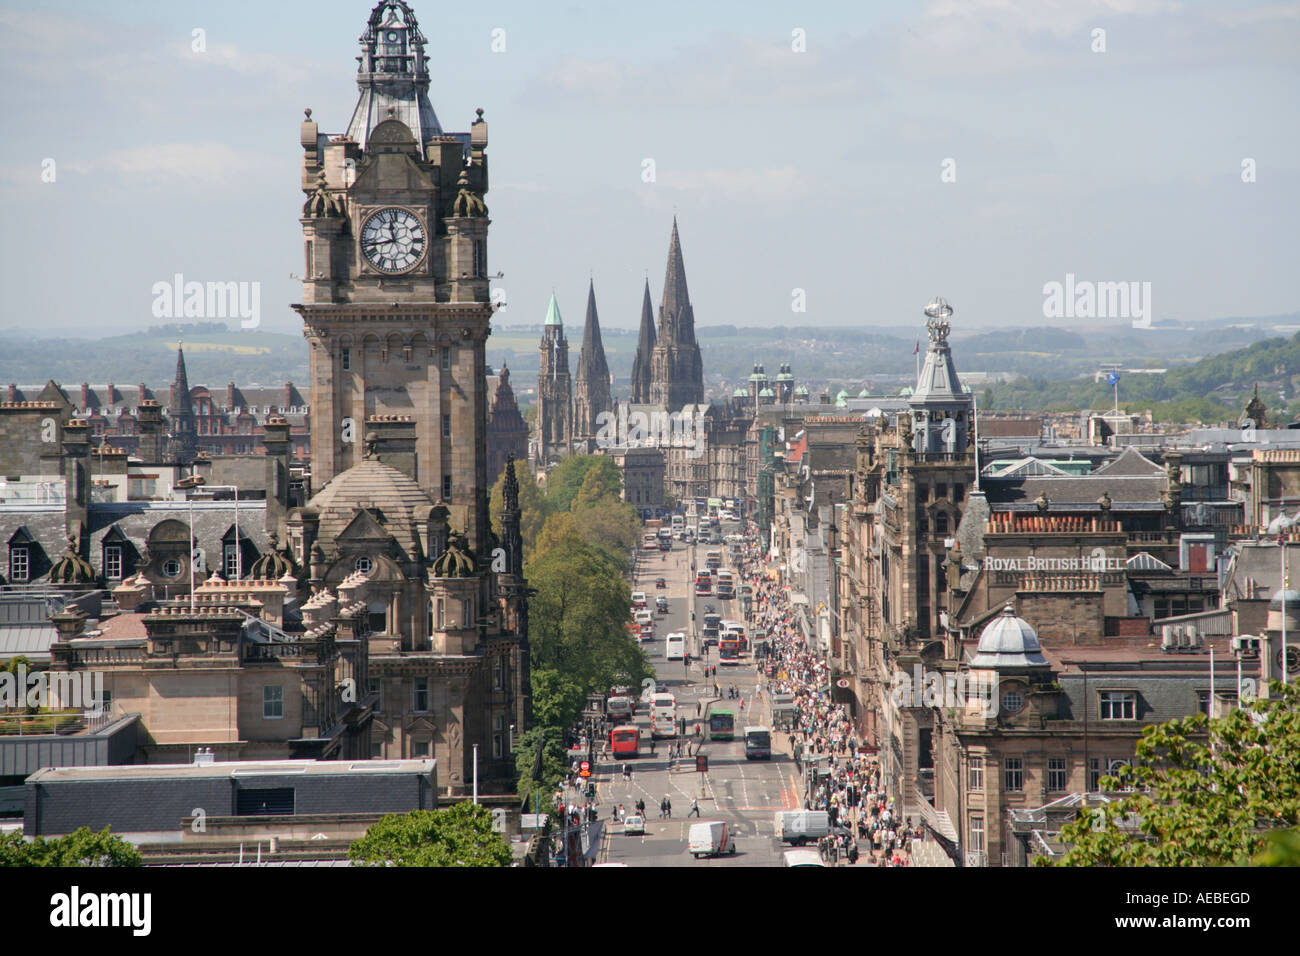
(540, 778)
(532, 506)
(604, 519)
(82, 847)
(565, 480)
(461, 835)
(578, 617)
(557, 699)
(1205, 792)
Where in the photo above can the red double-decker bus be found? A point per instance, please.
(625, 741)
(728, 650)
(703, 583)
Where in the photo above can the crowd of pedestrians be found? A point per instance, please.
(839, 776)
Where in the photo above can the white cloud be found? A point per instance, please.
(764, 185)
(193, 163)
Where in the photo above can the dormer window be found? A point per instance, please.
(20, 566)
(363, 564)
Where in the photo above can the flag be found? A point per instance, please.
(917, 348)
(1113, 378)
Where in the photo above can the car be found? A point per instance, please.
(634, 824)
(708, 609)
(661, 604)
(660, 583)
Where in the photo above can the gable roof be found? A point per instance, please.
(1130, 463)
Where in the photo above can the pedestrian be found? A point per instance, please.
(695, 807)
(668, 806)
(627, 771)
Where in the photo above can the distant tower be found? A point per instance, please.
(507, 432)
(676, 369)
(591, 396)
(554, 391)
(757, 382)
(645, 348)
(785, 385)
(941, 410)
(182, 440)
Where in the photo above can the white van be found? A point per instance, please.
(675, 648)
(710, 839)
(801, 826)
(643, 618)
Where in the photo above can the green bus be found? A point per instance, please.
(722, 725)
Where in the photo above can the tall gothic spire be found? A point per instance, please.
(645, 347)
(676, 368)
(591, 386)
(183, 443)
(676, 320)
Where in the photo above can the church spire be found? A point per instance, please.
(645, 347)
(676, 320)
(591, 385)
(183, 443)
(676, 368)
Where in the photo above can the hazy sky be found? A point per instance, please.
(819, 170)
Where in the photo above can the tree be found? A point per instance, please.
(82, 847)
(1206, 792)
(578, 616)
(566, 479)
(541, 778)
(461, 835)
(601, 482)
(557, 699)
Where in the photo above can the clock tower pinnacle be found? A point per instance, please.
(395, 301)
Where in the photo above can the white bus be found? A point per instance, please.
(663, 705)
(726, 585)
(675, 646)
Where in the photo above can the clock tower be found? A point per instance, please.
(395, 301)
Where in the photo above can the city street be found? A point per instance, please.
(743, 793)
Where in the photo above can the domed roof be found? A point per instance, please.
(767, 393)
(864, 393)
(801, 389)
(392, 494)
(1008, 641)
(739, 393)
(1292, 600)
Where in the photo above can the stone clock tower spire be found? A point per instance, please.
(395, 302)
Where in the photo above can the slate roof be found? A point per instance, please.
(1076, 493)
(1129, 463)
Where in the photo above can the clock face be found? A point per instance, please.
(393, 240)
